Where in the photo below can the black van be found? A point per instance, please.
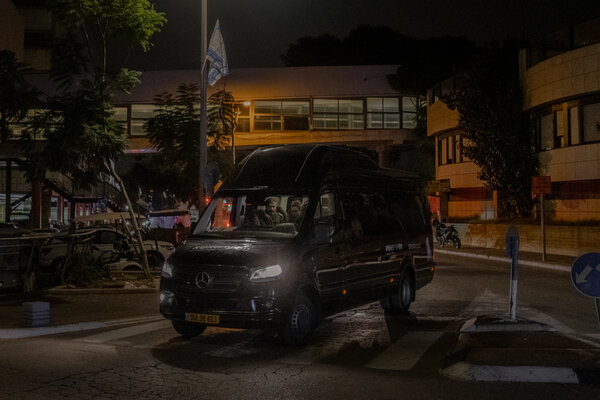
(298, 233)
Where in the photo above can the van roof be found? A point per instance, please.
(298, 166)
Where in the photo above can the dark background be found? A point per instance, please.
(258, 32)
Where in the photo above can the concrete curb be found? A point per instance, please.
(464, 371)
(538, 264)
(18, 333)
(64, 291)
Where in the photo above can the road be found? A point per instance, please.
(357, 354)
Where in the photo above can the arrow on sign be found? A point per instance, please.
(582, 277)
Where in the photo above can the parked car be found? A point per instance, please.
(103, 245)
(359, 234)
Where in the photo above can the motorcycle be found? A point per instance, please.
(447, 234)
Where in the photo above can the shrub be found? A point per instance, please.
(84, 271)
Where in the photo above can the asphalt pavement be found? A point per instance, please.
(486, 348)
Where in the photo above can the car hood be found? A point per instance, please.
(238, 252)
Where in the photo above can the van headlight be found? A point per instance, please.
(167, 270)
(266, 274)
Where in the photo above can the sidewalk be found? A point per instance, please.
(497, 350)
(78, 307)
(492, 349)
(553, 261)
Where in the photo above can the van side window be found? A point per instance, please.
(358, 215)
(408, 209)
(326, 207)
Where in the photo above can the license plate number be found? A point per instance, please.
(202, 318)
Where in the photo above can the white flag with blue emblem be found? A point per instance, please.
(217, 57)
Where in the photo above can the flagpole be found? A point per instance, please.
(203, 122)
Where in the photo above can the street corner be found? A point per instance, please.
(494, 349)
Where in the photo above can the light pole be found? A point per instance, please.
(203, 122)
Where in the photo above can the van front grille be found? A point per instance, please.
(223, 279)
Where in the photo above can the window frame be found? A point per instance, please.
(383, 113)
(337, 113)
(281, 116)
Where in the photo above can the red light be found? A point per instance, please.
(207, 200)
(228, 225)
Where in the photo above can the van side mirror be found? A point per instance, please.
(321, 233)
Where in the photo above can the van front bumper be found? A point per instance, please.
(253, 309)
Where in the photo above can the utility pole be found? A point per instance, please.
(203, 122)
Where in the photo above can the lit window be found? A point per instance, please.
(338, 114)
(287, 115)
(140, 114)
(591, 122)
(383, 112)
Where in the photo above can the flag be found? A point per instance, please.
(217, 57)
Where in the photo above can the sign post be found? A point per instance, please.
(585, 275)
(512, 251)
(542, 185)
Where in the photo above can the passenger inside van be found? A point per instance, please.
(273, 214)
(295, 211)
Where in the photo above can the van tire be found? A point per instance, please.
(188, 330)
(400, 302)
(300, 322)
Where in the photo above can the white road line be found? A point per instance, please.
(122, 333)
(404, 354)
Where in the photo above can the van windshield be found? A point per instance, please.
(253, 214)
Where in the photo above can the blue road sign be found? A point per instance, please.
(585, 274)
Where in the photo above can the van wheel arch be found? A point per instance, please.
(313, 294)
(399, 303)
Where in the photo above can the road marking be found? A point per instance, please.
(122, 333)
(404, 354)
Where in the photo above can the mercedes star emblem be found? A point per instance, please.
(203, 280)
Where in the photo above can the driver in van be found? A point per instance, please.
(273, 215)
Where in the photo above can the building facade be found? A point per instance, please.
(344, 105)
(561, 88)
(347, 105)
(560, 79)
(462, 194)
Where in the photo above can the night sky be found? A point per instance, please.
(257, 32)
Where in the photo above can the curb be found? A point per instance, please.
(19, 333)
(62, 291)
(464, 371)
(538, 264)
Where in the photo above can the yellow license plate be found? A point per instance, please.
(202, 318)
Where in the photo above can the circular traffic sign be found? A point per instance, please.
(585, 274)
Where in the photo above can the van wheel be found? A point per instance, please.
(188, 330)
(300, 322)
(400, 302)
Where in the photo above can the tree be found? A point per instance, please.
(175, 132)
(81, 135)
(17, 97)
(497, 132)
